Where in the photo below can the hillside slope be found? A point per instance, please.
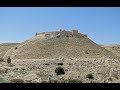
(4, 47)
(41, 47)
(114, 48)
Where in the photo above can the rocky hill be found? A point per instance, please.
(59, 44)
(60, 57)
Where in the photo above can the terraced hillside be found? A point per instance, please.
(60, 44)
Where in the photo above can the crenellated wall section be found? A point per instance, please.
(72, 33)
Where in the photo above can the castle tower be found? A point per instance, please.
(75, 32)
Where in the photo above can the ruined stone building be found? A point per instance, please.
(72, 33)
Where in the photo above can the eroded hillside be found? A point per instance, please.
(59, 57)
(62, 44)
(4, 47)
(115, 48)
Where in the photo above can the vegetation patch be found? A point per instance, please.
(47, 64)
(89, 76)
(60, 63)
(9, 60)
(3, 81)
(16, 48)
(16, 81)
(86, 52)
(1, 60)
(59, 71)
(73, 81)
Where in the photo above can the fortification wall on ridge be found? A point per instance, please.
(73, 33)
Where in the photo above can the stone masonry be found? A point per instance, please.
(72, 33)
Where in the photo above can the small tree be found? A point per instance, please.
(59, 71)
(8, 60)
(58, 36)
(16, 48)
(86, 52)
(90, 76)
(60, 63)
(1, 59)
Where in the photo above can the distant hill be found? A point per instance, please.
(115, 48)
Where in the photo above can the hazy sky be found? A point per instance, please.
(101, 24)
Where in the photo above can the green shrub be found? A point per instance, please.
(3, 81)
(1, 59)
(90, 76)
(8, 60)
(60, 63)
(16, 48)
(58, 36)
(86, 52)
(59, 71)
(47, 64)
(17, 81)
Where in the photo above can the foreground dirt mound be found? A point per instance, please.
(61, 44)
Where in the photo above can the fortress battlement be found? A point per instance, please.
(72, 33)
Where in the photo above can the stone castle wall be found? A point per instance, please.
(73, 33)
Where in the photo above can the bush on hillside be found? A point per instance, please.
(59, 71)
(90, 76)
(60, 63)
(16, 48)
(3, 81)
(1, 59)
(8, 60)
(47, 64)
(86, 52)
(17, 81)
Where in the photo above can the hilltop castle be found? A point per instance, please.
(72, 33)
